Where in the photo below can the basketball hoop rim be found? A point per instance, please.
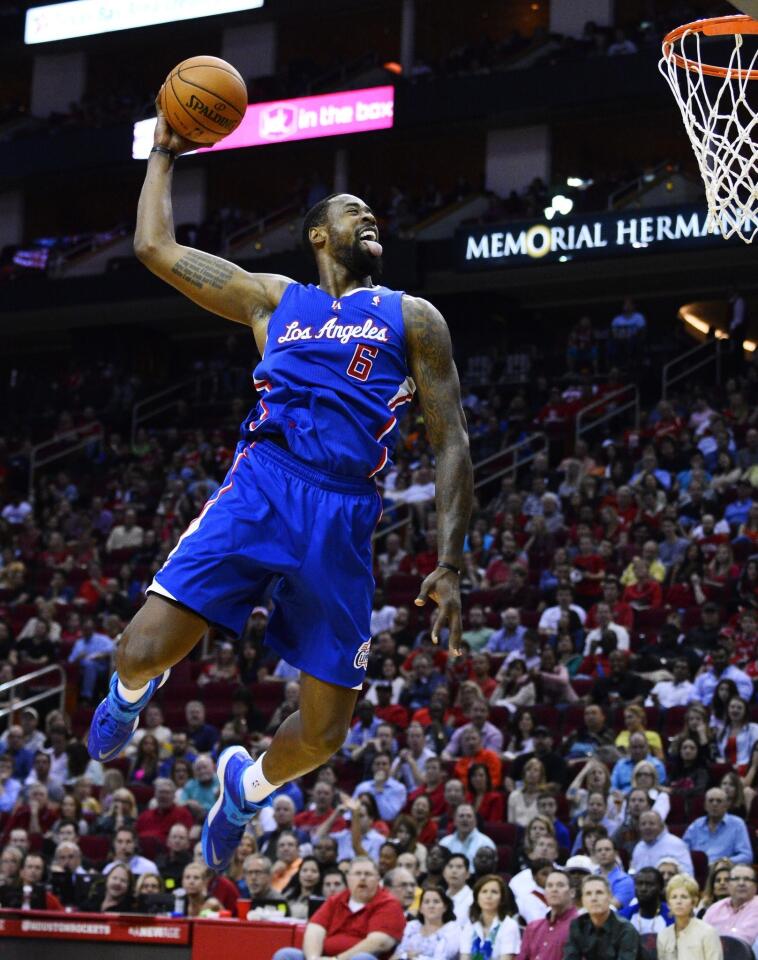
(710, 27)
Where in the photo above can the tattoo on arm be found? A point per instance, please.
(201, 270)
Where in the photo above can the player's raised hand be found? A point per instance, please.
(166, 136)
(443, 586)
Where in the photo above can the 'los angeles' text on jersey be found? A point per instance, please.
(332, 377)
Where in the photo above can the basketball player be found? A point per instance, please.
(299, 504)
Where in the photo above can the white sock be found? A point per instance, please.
(131, 696)
(254, 783)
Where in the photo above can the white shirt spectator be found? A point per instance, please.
(507, 938)
(122, 537)
(622, 637)
(721, 527)
(671, 694)
(551, 616)
(461, 903)
(531, 905)
(398, 685)
(382, 619)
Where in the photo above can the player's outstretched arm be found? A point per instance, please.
(430, 357)
(212, 282)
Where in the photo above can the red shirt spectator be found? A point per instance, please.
(490, 760)
(343, 929)
(645, 594)
(158, 821)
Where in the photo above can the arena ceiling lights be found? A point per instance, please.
(86, 18)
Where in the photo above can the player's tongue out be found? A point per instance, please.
(367, 238)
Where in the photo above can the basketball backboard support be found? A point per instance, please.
(750, 7)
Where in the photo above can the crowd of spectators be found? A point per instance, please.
(587, 768)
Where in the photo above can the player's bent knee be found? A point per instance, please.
(141, 658)
(324, 742)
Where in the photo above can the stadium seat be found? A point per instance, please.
(143, 793)
(504, 858)
(95, 848)
(735, 949)
(700, 865)
(151, 847)
(502, 833)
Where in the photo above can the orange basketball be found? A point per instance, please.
(204, 99)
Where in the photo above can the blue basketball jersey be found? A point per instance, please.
(333, 375)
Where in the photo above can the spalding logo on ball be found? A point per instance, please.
(204, 99)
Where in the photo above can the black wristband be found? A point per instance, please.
(449, 566)
(165, 151)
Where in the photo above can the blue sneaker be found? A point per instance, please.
(115, 720)
(231, 813)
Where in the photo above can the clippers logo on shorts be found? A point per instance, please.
(361, 657)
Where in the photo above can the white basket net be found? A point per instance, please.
(722, 127)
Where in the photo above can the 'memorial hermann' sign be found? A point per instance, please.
(585, 237)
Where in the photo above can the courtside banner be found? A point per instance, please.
(86, 18)
(305, 118)
(37, 925)
(586, 237)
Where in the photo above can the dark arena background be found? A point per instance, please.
(531, 176)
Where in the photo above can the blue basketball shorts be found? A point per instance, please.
(275, 518)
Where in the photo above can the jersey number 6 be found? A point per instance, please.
(362, 362)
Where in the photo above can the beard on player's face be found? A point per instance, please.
(350, 252)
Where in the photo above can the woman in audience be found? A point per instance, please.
(488, 803)
(734, 789)
(491, 931)
(725, 690)
(522, 802)
(537, 828)
(635, 720)
(149, 884)
(181, 772)
(515, 688)
(435, 935)
(144, 768)
(720, 572)
(223, 668)
(123, 813)
(645, 777)
(716, 886)
(592, 778)
(71, 809)
(246, 846)
(113, 780)
(426, 827)
(520, 740)
(738, 736)
(566, 652)
(689, 773)
(553, 679)
(687, 937)
(306, 884)
(115, 895)
(696, 725)
(405, 832)
(195, 884)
